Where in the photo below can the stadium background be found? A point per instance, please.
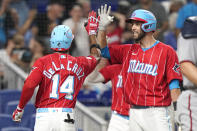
(25, 27)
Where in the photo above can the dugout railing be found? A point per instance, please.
(86, 120)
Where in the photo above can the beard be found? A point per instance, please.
(140, 36)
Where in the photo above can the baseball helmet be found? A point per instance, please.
(145, 16)
(189, 29)
(61, 38)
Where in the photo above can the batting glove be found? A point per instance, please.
(17, 114)
(92, 24)
(105, 19)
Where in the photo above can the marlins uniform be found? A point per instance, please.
(147, 74)
(59, 77)
(120, 109)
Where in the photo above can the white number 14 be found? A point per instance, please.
(67, 87)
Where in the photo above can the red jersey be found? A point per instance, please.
(112, 72)
(147, 73)
(60, 77)
(115, 36)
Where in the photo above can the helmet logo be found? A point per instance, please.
(58, 44)
(148, 26)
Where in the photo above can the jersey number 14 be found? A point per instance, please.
(66, 87)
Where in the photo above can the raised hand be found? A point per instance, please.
(105, 18)
(92, 24)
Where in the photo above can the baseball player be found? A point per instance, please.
(120, 109)
(151, 70)
(59, 77)
(186, 114)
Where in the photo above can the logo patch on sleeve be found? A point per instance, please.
(176, 68)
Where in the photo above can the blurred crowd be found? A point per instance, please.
(25, 26)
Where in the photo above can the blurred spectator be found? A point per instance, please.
(170, 35)
(85, 7)
(5, 55)
(158, 10)
(37, 48)
(45, 22)
(76, 23)
(22, 10)
(115, 29)
(3, 15)
(19, 52)
(123, 6)
(186, 11)
(39, 5)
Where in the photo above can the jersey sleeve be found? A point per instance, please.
(187, 50)
(173, 67)
(31, 83)
(88, 62)
(106, 72)
(117, 53)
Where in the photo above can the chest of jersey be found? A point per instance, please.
(150, 62)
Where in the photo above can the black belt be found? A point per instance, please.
(141, 107)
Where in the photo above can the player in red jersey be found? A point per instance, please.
(120, 109)
(60, 77)
(151, 70)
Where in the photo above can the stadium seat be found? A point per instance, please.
(32, 121)
(11, 106)
(16, 129)
(28, 111)
(106, 98)
(6, 96)
(6, 121)
(88, 98)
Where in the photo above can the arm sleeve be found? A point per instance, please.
(31, 83)
(106, 73)
(173, 67)
(174, 84)
(186, 50)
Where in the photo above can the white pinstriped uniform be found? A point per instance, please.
(187, 101)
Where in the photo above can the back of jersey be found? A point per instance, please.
(62, 78)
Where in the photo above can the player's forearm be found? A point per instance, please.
(95, 77)
(27, 93)
(94, 47)
(175, 94)
(189, 70)
(102, 38)
(92, 39)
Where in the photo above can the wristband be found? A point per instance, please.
(95, 46)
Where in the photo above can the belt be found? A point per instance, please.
(123, 116)
(141, 107)
(44, 110)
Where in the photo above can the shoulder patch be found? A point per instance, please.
(176, 68)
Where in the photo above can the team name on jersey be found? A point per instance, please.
(75, 69)
(142, 68)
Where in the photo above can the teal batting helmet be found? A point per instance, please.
(61, 38)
